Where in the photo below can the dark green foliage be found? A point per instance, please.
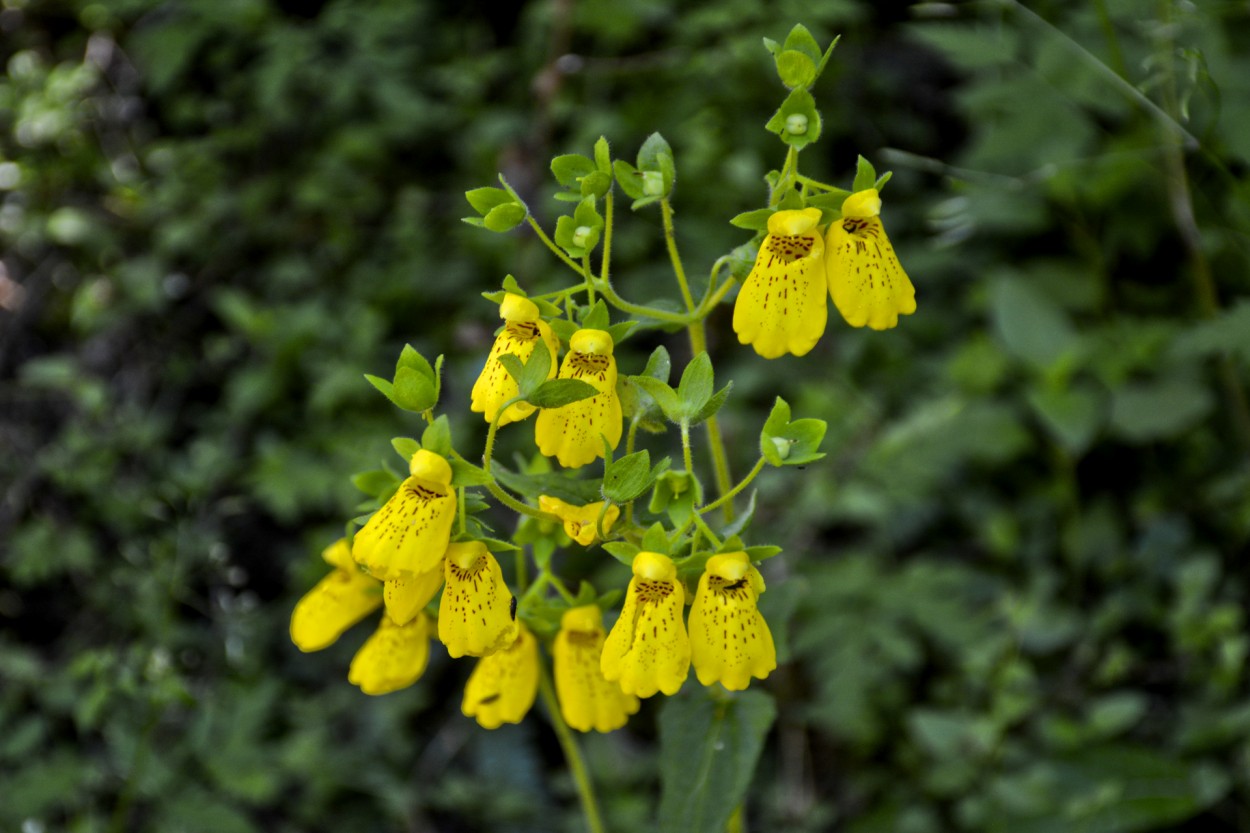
(1011, 596)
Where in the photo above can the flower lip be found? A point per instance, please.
(866, 203)
(518, 308)
(652, 566)
(465, 555)
(597, 342)
(430, 466)
(791, 223)
(730, 566)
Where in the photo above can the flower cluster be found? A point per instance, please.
(782, 309)
(426, 553)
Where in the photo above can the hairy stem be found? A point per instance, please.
(572, 754)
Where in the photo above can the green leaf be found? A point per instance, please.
(603, 155)
(1149, 411)
(659, 364)
(556, 393)
(1073, 417)
(535, 371)
(656, 539)
(1029, 324)
(795, 69)
(786, 443)
(754, 220)
(409, 357)
(712, 405)
(697, 384)
(664, 396)
(379, 483)
(405, 447)
(629, 178)
(413, 391)
(571, 167)
(464, 473)
(626, 478)
(569, 489)
(797, 121)
(622, 551)
(437, 437)
(506, 217)
(383, 385)
(709, 746)
(865, 175)
(596, 317)
(484, 200)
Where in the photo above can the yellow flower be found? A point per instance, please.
(648, 649)
(393, 658)
(579, 521)
(866, 281)
(410, 533)
(337, 602)
(523, 331)
(781, 307)
(729, 639)
(587, 700)
(571, 433)
(477, 615)
(406, 593)
(503, 685)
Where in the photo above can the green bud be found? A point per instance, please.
(653, 183)
(796, 124)
(581, 235)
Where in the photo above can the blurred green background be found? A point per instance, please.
(1012, 596)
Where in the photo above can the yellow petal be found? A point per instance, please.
(339, 555)
(648, 649)
(477, 615)
(503, 685)
(406, 593)
(337, 602)
(494, 386)
(866, 280)
(781, 308)
(730, 641)
(393, 658)
(410, 533)
(587, 700)
(580, 522)
(571, 433)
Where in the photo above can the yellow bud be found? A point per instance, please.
(517, 308)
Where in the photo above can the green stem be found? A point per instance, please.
(788, 173)
(670, 241)
(630, 437)
(620, 303)
(815, 183)
(604, 265)
(522, 572)
(707, 530)
(1180, 199)
(493, 486)
(686, 457)
(729, 495)
(560, 253)
(460, 509)
(560, 588)
(590, 280)
(572, 754)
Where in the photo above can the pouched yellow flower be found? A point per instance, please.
(571, 433)
(410, 533)
(393, 658)
(648, 649)
(335, 603)
(522, 331)
(729, 639)
(781, 308)
(477, 615)
(406, 593)
(580, 521)
(587, 700)
(503, 685)
(866, 281)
